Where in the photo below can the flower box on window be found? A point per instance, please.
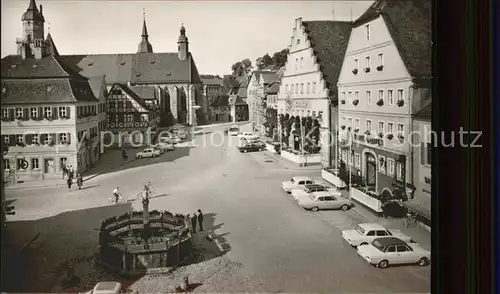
(5, 118)
(342, 101)
(64, 117)
(380, 102)
(428, 180)
(356, 130)
(342, 127)
(19, 118)
(381, 135)
(401, 137)
(355, 102)
(380, 67)
(367, 69)
(349, 129)
(355, 71)
(400, 103)
(390, 136)
(48, 117)
(367, 133)
(20, 144)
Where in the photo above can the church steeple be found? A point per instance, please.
(32, 41)
(183, 44)
(145, 46)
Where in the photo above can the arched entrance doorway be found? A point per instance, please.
(371, 170)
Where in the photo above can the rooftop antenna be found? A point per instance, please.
(144, 14)
(48, 27)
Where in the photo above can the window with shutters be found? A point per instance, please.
(367, 32)
(302, 88)
(401, 129)
(368, 97)
(349, 96)
(35, 139)
(62, 112)
(33, 112)
(381, 95)
(296, 88)
(357, 160)
(6, 164)
(47, 112)
(399, 170)
(34, 163)
(390, 128)
(368, 125)
(390, 166)
(63, 138)
(19, 139)
(19, 113)
(382, 163)
(401, 95)
(390, 97)
(381, 127)
(5, 114)
(19, 163)
(6, 139)
(62, 161)
(314, 87)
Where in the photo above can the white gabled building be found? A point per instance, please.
(385, 80)
(309, 83)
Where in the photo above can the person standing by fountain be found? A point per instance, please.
(193, 222)
(200, 219)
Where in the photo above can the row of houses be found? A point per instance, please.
(368, 85)
(56, 107)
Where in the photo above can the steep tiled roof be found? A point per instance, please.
(329, 40)
(98, 86)
(425, 113)
(133, 95)
(145, 68)
(273, 88)
(51, 46)
(32, 13)
(213, 82)
(14, 67)
(280, 72)
(45, 91)
(269, 77)
(144, 92)
(409, 23)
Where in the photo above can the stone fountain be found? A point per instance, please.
(138, 242)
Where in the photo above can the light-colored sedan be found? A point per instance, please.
(248, 136)
(306, 190)
(365, 233)
(170, 139)
(324, 200)
(148, 152)
(163, 147)
(295, 183)
(385, 251)
(233, 131)
(107, 288)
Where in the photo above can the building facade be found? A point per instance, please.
(212, 88)
(239, 108)
(385, 79)
(45, 105)
(308, 85)
(256, 97)
(422, 147)
(220, 110)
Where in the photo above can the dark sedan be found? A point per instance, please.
(250, 147)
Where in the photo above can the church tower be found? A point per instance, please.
(32, 42)
(183, 44)
(145, 46)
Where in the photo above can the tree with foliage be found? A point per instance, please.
(229, 83)
(242, 68)
(288, 128)
(279, 58)
(271, 123)
(343, 174)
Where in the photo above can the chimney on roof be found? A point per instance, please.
(41, 9)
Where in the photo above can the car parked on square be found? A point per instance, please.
(365, 233)
(325, 201)
(307, 190)
(383, 252)
(107, 288)
(249, 148)
(148, 152)
(296, 183)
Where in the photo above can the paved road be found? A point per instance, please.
(281, 247)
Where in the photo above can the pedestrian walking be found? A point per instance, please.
(200, 219)
(116, 193)
(65, 171)
(79, 181)
(124, 154)
(71, 172)
(69, 182)
(193, 222)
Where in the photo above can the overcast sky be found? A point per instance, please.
(220, 32)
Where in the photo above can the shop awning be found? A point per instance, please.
(421, 205)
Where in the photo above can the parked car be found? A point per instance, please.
(365, 233)
(148, 152)
(234, 131)
(163, 147)
(385, 251)
(198, 131)
(307, 190)
(296, 182)
(107, 288)
(180, 134)
(325, 200)
(248, 136)
(257, 142)
(170, 139)
(249, 148)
